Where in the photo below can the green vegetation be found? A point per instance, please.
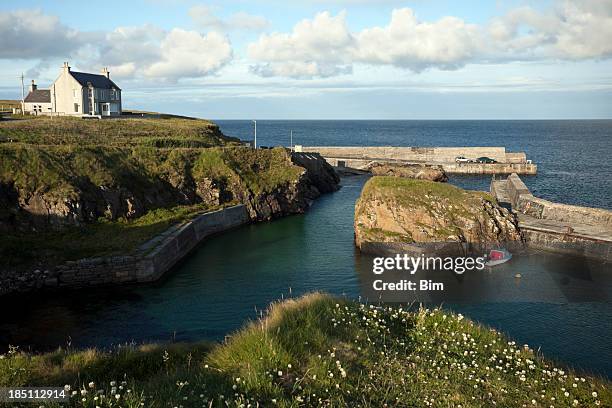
(60, 168)
(128, 178)
(96, 239)
(130, 132)
(60, 173)
(412, 191)
(319, 351)
(261, 170)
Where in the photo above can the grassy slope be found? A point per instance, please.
(55, 168)
(410, 191)
(319, 351)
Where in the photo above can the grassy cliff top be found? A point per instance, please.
(319, 351)
(58, 168)
(155, 132)
(411, 191)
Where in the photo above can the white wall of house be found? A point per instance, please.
(38, 108)
(67, 95)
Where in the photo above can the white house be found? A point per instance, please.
(78, 94)
(38, 101)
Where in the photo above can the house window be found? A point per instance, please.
(104, 107)
(76, 107)
(90, 92)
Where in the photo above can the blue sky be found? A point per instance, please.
(361, 59)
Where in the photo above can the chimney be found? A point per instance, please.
(66, 67)
(105, 72)
(33, 86)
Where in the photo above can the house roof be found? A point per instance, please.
(39, 96)
(96, 80)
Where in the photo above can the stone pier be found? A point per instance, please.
(553, 226)
(362, 158)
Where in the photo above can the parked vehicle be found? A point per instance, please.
(485, 159)
(462, 159)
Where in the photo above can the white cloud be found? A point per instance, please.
(579, 29)
(32, 34)
(324, 46)
(204, 17)
(318, 47)
(190, 54)
(132, 44)
(150, 52)
(144, 51)
(408, 43)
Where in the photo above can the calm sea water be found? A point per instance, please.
(561, 304)
(573, 156)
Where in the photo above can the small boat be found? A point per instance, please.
(498, 256)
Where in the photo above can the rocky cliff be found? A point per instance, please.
(57, 186)
(403, 211)
(413, 171)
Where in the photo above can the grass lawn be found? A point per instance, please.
(124, 132)
(319, 351)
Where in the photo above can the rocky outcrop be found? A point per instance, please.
(319, 173)
(413, 171)
(85, 185)
(400, 211)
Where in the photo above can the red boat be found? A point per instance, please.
(498, 256)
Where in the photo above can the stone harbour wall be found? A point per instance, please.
(568, 244)
(523, 201)
(448, 167)
(426, 154)
(148, 263)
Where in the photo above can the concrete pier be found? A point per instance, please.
(362, 158)
(553, 226)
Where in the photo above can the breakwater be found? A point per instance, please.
(148, 263)
(560, 227)
(362, 158)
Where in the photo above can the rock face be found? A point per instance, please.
(83, 185)
(319, 173)
(400, 211)
(413, 171)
